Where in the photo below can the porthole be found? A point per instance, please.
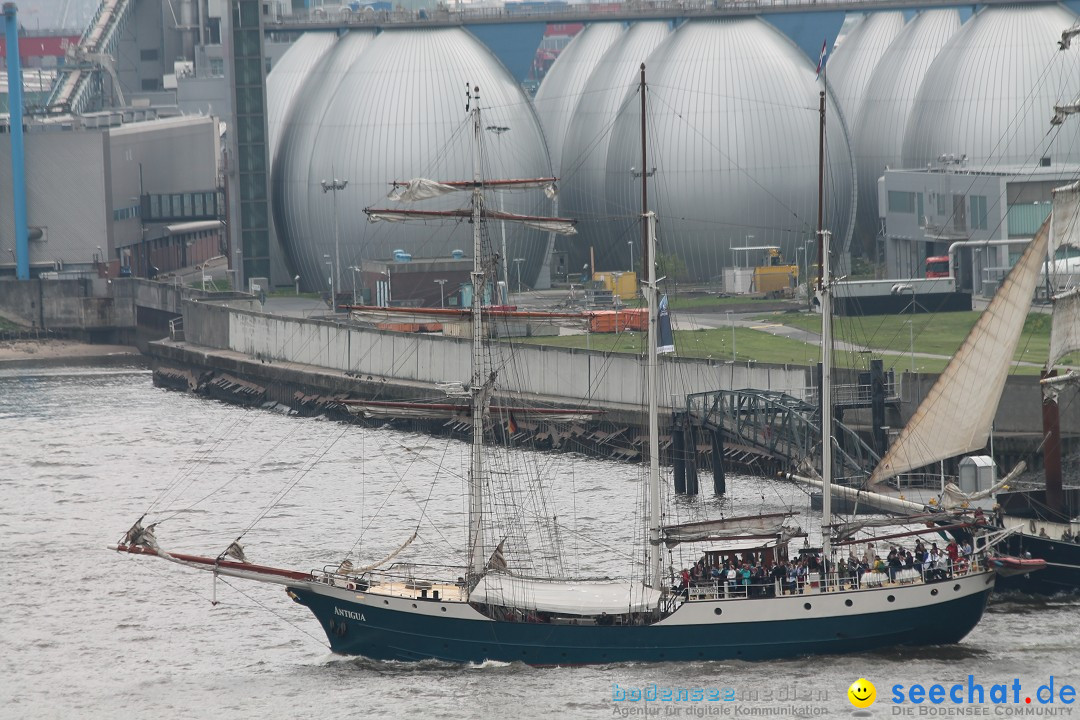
(414, 604)
(443, 609)
(385, 602)
(718, 611)
(956, 587)
(806, 605)
(934, 591)
(891, 598)
(848, 602)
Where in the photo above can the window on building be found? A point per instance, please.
(213, 31)
(959, 210)
(150, 84)
(901, 202)
(155, 207)
(217, 67)
(148, 54)
(978, 212)
(942, 205)
(921, 209)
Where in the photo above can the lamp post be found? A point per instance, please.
(355, 269)
(297, 281)
(330, 277)
(732, 323)
(499, 130)
(517, 262)
(333, 186)
(630, 244)
(442, 295)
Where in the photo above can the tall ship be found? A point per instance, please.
(489, 608)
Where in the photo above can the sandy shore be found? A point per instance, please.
(53, 352)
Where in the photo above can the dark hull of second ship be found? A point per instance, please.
(1062, 573)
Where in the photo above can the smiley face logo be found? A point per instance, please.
(862, 693)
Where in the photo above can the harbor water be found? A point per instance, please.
(88, 633)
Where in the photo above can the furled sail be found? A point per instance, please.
(420, 189)
(560, 226)
(956, 415)
(423, 189)
(580, 597)
(953, 497)
(1064, 250)
(1065, 327)
(770, 524)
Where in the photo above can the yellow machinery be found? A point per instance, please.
(764, 273)
(774, 277)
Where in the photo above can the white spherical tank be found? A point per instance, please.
(585, 147)
(399, 112)
(990, 92)
(733, 123)
(887, 103)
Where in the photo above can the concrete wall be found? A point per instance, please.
(536, 370)
(1019, 411)
(97, 304)
(65, 185)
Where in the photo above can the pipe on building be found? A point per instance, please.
(976, 244)
(18, 149)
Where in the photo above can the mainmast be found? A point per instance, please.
(825, 291)
(648, 264)
(478, 385)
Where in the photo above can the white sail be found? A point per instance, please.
(1066, 233)
(578, 597)
(1065, 328)
(957, 414)
(771, 524)
(420, 189)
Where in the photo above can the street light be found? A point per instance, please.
(355, 270)
(732, 323)
(499, 130)
(630, 244)
(517, 262)
(333, 186)
(900, 289)
(442, 287)
(330, 278)
(297, 281)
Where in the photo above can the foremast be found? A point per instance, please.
(648, 266)
(482, 378)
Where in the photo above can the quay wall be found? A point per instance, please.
(580, 376)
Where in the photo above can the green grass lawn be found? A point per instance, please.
(8, 326)
(706, 302)
(934, 334)
(715, 344)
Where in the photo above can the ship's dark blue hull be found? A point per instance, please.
(1062, 573)
(388, 634)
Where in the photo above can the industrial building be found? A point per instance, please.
(980, 219)
(351, 97)
(116, 192)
